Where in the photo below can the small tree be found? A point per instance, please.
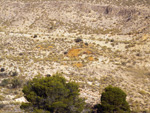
(113, 100)
(52, 94)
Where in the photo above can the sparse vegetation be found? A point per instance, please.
(15, 82)
(96, 43)
(5, 82)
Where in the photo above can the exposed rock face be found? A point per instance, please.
(73, 16)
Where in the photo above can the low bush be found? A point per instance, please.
(113, 100)
(16, 83)
(78, 40)
(5, 82)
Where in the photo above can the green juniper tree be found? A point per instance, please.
(113, 100)
(52, 94)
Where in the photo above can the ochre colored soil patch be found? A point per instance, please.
(78, 65)
(90, 58)
(145, 37)
(44, 48)
(74, 52)
(78, 51)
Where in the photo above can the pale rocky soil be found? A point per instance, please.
(115, 48)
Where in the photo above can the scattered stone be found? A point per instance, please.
(13, 73)
(51, 28)
(20, 54)
(48, 75)
(21, 99)
(2, 69)
(65, 52)
(108, 10)
(138, 54)
(86, 44)
(78, 40)
(112, 40)
(35, 36)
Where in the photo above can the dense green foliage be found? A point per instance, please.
(113, 100)
(52, 94)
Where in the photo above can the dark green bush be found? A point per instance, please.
(40, 111)
(113, 100)
(53, 94)
(78, 40)
(5, 82)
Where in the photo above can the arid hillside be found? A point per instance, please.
(95, 43)
(70, 16)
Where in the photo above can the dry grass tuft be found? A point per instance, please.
(41, 47)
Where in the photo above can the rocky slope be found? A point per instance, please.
(38, 38)
(70, 16)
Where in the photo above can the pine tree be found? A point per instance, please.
(52, 94)
(113, 100)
